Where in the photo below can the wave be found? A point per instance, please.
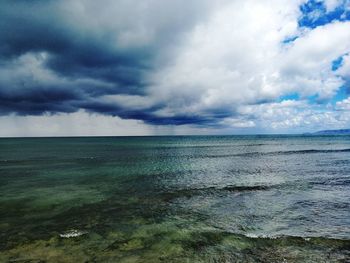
(235, 188)
(338, 181)
(73, 233)
(273, 153)
(314, 151)
(291, 237)
(190, 192)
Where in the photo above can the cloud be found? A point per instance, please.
(306, 64)
(237, 57)
(343, 105)
(290, 116)
(115, 41)
(193, 64)
(332, 4)
(81, 52)
(225, 61)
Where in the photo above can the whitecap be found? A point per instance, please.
(72, 233)
(251, 235)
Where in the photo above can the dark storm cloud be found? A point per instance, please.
(148, 115)
(88, 52)
(35, 100)
(37, 26)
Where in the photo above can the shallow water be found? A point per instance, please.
(175, 199)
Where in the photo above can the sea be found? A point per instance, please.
(261, 198)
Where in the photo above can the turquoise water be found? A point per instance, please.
(175, 199)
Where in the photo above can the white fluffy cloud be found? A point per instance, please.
(343, 105)
(238, 56)
(298, 116)
(332, 4)
(228, 59)
(306, 65)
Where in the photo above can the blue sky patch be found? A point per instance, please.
(314, 99)
(291, 96)
(337, 63)
(314, 14)
(342, 94)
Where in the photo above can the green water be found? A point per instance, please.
(175, 199)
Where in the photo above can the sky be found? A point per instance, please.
(155, 67)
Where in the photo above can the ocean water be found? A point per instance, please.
(175, 199)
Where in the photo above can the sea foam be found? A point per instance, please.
(72, 233)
